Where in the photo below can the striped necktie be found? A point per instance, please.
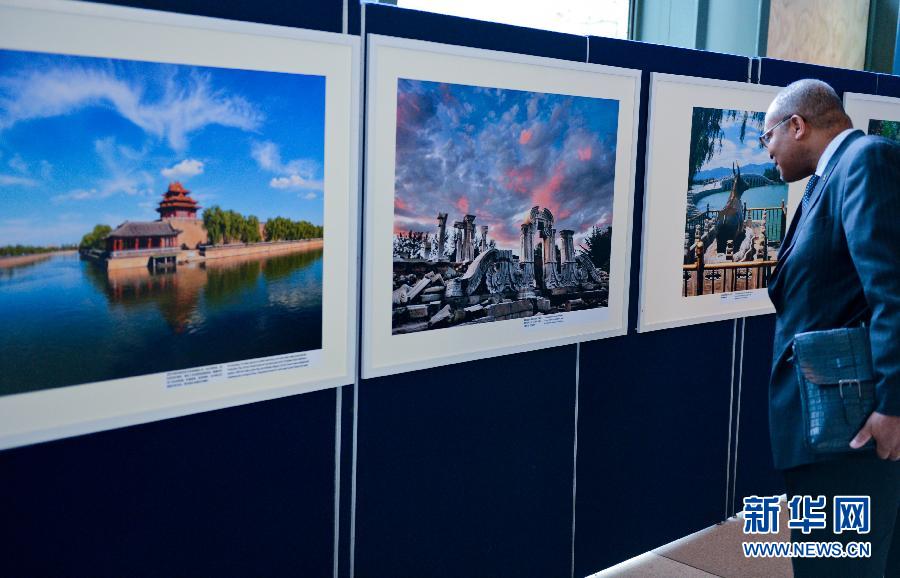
(813, 180)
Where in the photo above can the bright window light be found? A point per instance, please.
(583, 17)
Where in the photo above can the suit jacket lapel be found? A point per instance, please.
(814, 196)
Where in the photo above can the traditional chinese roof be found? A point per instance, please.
(177, 197)
(144, 229)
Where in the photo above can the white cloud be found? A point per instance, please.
(18, 164)
(125, 184)
(309, 196)
(16, 181)
(423, 223)
(294, 174)
(295, 182)
(268, 157)
(183, 107)
(124, 174)
(183, 170)
(746, 153)
(46, 170)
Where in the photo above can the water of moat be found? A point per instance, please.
(65, 321)
(757, 197)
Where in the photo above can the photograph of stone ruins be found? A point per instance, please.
(502, 207)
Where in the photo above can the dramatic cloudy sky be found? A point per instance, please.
(85, 141)
(496, 153)
(733, 150)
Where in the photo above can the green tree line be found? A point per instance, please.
(282, 229)
(773, 174)
(224, 227)
(19, 250)
(96, 239)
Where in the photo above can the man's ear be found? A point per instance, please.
(798, 127)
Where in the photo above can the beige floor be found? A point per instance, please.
(715, 551)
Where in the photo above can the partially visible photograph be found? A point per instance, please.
(736, 205)
(503, 204)
(889, 129)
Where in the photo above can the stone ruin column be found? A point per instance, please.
(469, 238)
(460, 227)
(549, 237)
(567, 268)
(484, 239)
(441, 234)
(527, 257)
(551, 275)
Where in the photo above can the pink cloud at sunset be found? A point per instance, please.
(496, 153)
(547, 195)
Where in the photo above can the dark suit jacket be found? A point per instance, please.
(838, 261)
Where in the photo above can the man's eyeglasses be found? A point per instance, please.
(766, 137)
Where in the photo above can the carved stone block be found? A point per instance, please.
(400, 295)
(418, 288)
(474, 310)
(441, 316)
(417, 311)
(412, 327)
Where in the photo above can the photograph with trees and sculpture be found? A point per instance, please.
(736, 205)
(502, 204)
(889, 129)
(155, 217)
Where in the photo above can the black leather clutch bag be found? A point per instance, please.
(837, 386)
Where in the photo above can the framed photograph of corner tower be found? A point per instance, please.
(715, 206)
(876, 115)
(177, 215)
(498, 194)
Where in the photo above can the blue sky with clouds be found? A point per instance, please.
(85, 141)
(733, 149)
(495, 153)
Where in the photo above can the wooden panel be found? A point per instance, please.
(819, 31)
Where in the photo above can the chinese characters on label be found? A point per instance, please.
(807, 513)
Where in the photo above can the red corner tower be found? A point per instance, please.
(177, 203)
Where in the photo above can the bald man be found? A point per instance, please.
(839, 265)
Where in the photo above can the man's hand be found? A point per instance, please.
(886, 431)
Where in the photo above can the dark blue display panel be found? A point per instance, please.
(889, 85)
(345, 508)
(668, 59)
(652, 440)
(755, 472)
(326, 16)
(245, 491)
(782, 73)
(653, 426)
(467, 469)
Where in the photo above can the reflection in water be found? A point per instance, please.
(176, 295)
(78, 323)
(10, 266)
